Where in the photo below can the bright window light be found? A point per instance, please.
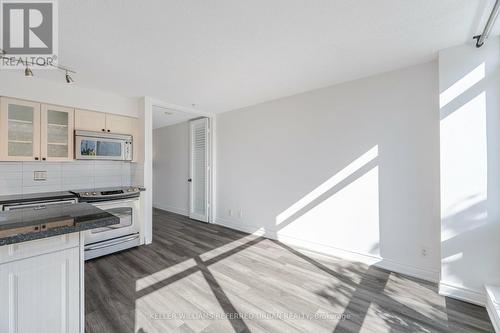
(462, 85)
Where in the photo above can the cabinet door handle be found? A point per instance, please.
(44, 158)
(103, 130)
(36, 158)
(109, 131)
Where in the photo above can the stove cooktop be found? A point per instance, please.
(106, 193)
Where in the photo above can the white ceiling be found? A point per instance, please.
(226, 54)
(169, 116)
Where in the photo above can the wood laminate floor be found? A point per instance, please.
(197, 277)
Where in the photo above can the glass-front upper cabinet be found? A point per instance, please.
(19, 130)
(56, 133)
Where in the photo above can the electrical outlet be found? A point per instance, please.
(424, 252)
(39, 175)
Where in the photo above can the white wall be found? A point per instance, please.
(14, 84)
(469, 82)
(171, 168)
(352, 169)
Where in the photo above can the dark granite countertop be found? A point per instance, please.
(28, 224)
(33, 197)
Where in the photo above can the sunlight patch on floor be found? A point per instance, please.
(186, 302)
(166, 273)
(380, 321)
(228, 247)
(417, 297)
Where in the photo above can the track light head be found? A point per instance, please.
(28, 72)
(69, 79)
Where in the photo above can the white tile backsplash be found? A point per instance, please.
(127, 175)
(137, 173)
(53, 174)
(17, 177)
(11, 177)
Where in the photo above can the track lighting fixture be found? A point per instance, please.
(28, 72)
(69, 79)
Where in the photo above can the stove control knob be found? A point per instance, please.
(129, 190)
(87, 193)
(94, 193)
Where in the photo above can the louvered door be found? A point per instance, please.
(199, 169)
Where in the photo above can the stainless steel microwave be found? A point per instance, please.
(103, 146)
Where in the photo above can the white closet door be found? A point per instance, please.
(199, 169)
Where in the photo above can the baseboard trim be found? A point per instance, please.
(462, 294)
(368, 259)
(493, 308)
(171, 209)
(494, 317)
(249, 229)
(365, 258)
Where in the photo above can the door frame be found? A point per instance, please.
(146, 116)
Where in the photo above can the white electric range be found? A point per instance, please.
(123, 202)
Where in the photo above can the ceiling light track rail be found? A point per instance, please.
(480, 39)
(29, 73)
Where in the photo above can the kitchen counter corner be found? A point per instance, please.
(29, 224)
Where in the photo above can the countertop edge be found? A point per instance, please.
(82, 226)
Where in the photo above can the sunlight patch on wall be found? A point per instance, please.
(462, 85)
(348, 218)
(464, 168)
(354, 166)
(449, 266)
(464, 216)
(453, 258)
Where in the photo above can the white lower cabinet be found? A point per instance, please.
(41, 293)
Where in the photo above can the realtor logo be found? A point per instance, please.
(28, 29)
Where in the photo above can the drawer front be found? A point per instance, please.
(37, 247)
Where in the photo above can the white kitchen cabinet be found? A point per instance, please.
(110, 123)
(138, 154)
(119, 124)
(41, 293)
(19, 130)
(57, 127)
(103, 122)
(90, 121)
(32, 131)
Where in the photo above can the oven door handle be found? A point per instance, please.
(38, 205)
(115, 203)
(100, 246)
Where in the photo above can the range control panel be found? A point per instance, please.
(108, 193)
